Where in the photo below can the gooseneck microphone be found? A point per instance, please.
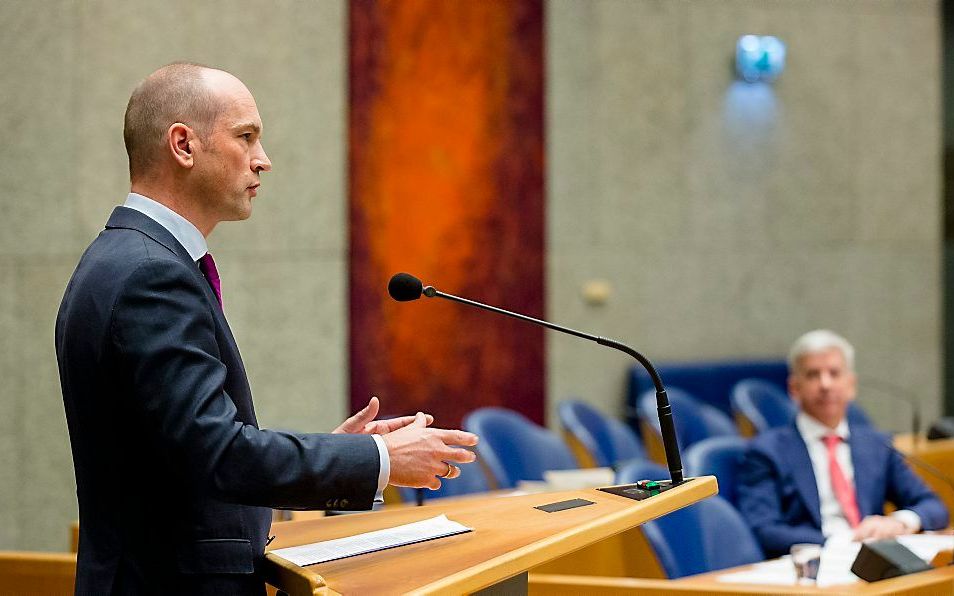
(404, 287)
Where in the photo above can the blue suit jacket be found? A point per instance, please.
(174, 477)
(779, 498)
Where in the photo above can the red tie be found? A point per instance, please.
(207, 266)
(844, 492)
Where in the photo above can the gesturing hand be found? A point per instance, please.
(363, 422)
(419, 455)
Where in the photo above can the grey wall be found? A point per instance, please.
(726, 223)
(68, 70)
(730, 218)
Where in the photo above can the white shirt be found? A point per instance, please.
(833, 518)
(194, 242)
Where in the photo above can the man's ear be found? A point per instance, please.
(181, 142)
(793, 388)
(852, 386)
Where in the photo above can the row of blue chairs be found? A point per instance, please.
(513, 448)
(762, 404)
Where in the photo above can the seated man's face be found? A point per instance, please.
(823, 386)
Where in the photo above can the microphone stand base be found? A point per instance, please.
(642, 490)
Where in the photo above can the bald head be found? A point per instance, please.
(178, 92)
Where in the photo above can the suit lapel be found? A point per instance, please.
(803, 473)
(124, 217)
(863, 457)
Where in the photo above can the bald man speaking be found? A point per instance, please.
(174, 477)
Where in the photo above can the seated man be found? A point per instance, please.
(822, 475)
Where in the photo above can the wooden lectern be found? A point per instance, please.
(510, 536)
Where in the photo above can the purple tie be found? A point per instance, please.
(207, 266)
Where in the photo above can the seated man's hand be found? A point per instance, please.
(878, 527)
(420, 455)
(364, 423)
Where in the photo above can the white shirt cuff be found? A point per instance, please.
(909, 518)
(384, 473)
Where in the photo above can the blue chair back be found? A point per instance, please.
(693, 419)
(708, 381)
(719, 457)
(513, 448)
(706, 536)
(607, 439)
(764, 404)
(472, 479)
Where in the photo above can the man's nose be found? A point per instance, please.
(260, 161)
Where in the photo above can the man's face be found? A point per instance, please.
(823, 386)
(230, 157)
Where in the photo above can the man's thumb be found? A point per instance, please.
(420, 420)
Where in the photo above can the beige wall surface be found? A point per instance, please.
(727, 220)
(67, 73)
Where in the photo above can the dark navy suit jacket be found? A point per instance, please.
(779, 498)
(174, 477)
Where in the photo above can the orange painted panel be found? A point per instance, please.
(446, 175)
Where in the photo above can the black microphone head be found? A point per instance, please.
(404, 287)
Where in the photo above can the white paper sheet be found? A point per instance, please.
(837, 556)
(575, 479)
(359, 544)
(927, 546)
(778, 572)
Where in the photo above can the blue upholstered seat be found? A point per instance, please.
(708, 381)
(607, 439)
(693, 419)
(719, 457)
(513, 448)
(706, 536)
(764, 404)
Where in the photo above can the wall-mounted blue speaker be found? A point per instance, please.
(759, 58)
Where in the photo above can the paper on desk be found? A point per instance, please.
(834, 569)
(780, 572)
(837, 556)
(359, 544)
(581, 478)
(927, 546)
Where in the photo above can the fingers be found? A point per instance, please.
(452, 472)
(456, 437)
(361, 418)
(393, 424)
(420, 420)
(457, 455)
(370, 411)
(878, 527)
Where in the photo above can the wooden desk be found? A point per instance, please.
(939, 454)
(24, 573)
(928, 583)
(510, 537)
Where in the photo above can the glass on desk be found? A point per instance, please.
(806, 558)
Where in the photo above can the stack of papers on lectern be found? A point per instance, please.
(330, 550)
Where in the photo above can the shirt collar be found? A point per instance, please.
(181, 228)
(813, 430)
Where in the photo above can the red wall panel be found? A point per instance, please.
(446, 171)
